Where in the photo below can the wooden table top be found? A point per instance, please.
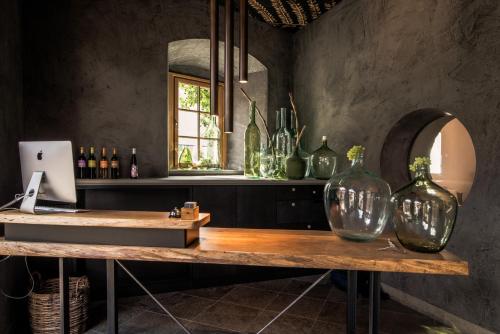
(106, 218)
(259, 247)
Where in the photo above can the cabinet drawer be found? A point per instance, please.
(284, 193)
(291, 212)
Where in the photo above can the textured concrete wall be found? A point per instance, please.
(367, 63)
(96, 71)
(10, 133)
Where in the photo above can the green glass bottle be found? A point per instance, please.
(424, 213)
(252, 146)
(324, 161)
(186, 158)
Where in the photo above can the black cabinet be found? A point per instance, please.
(220, 201)
(256, 207)
(137, 199)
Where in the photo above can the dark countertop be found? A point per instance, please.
(219, 180)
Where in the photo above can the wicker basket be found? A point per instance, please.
(44, 306)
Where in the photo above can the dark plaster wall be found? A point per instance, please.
(96, 71)
(10, 133)
(366, 63)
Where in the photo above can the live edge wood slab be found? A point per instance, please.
(105, 218)
(125, 228)
(257, 247)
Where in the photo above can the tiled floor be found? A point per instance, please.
(246, 308)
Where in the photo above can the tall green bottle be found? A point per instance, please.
(252, 145)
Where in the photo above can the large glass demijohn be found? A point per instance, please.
(357, 202)
(424, 213)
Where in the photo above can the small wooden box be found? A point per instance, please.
(190, 213)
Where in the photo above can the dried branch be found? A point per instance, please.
(299, 136)
(294, 110)
(260, 115)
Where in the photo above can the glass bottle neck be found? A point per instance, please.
(278, 119)
(283, 118)
(357, 162)
(423, 174)
(325, 143)
(252, 112)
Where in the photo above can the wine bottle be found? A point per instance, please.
(115, 165)
(134, 169)
(81, 165)
(92, 164)
(103, 165)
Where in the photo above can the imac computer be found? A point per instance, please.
(48, 174)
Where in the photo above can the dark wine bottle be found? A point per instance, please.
(134, 169)
(92, 164)
(103, 165)
(81, 165)
(115, 165)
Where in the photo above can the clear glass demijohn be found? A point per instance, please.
(357, 202)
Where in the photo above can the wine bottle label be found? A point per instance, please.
(82, 163)
(134, 172)
(92, 164)
(115, 164)
(103, 164)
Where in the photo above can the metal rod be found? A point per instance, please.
(112, 318)
(228, 67)
(214, 56)
(243, 41)
(352, 294)
(374, 315)
(296, 300)
(64, 296)
(152, 297)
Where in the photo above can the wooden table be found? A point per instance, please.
(258, 247)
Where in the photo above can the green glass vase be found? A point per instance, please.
(357, 203)
(252, 146)
(295, 166)
(186, 158)
(424, 214)
(323, 161)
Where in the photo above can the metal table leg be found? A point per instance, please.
(112, 314)
(352, 294)
(374, 302)
(152, 297)
(64, 295)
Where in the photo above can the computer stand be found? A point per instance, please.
(31, 194)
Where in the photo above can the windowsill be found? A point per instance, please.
(200, 172)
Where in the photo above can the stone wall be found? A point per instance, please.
(365, 64)
(96, 71)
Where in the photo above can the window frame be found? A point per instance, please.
(173, 117)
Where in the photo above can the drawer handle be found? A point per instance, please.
(308, 227)
(293, 189)
(293, 204)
